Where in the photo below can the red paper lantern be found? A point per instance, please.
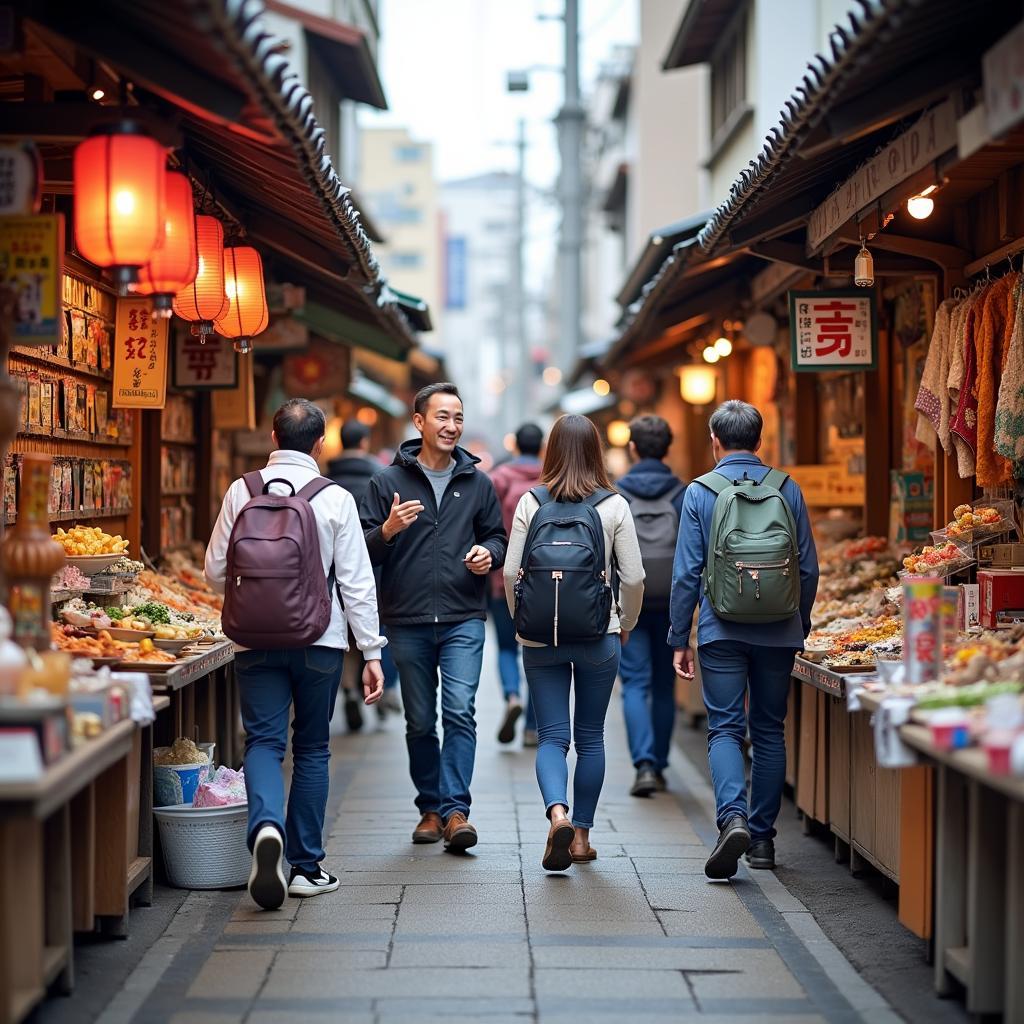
(247, 298)
(204, 300)
(174, 264)
(119, 199)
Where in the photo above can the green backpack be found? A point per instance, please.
(753, 561)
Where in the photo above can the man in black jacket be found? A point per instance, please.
(353, 468)
(433, 524)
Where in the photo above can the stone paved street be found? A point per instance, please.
(415, 934)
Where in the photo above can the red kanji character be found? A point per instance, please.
(834, 329)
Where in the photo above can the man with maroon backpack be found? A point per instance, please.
(511, 481)
(288, 552)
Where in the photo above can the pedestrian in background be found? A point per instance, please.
(754, 572)
(286, 677)
(433, 525)
(557, 584)
(511, 481)
(655, 496)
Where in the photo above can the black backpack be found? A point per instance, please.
(562, 591)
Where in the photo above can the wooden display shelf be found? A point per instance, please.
(187, 441)
(49, 360)
(179, 492)
(81, 436)
(191, 668)
(73, 517)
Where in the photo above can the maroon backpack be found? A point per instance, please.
(275, 594)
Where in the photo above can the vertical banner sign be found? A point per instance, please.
(140, 356)
(833, 330)
(31, 260)
(455, 273)
(205, 364)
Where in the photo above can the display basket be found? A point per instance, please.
(956, 556)
(985, 521)
(205, 847)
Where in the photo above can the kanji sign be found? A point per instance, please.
(205, 364)
(833, 330)
(140, 356)
(31, 261)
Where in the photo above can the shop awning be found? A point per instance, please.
(417, 311)
(345, 330)
(252, 143)
(615, 197)
(659, 244)
(365, 390)
(701, 27)
(583, 402)
(345, 52)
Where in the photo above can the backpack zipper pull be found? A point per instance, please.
(238, 581)
(556, 575)
(739, 565)
(756, 577)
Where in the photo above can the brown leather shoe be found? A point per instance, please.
(459, 835)
(556, 854)
(429, 830)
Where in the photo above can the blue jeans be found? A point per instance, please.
(269, 684)
(728, 669)
(508, 657)
(388, 667)
(551, 672)
(649, 689)
(440, 772)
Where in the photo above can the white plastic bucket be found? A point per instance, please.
(205, 847)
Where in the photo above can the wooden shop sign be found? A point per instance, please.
(933, 135)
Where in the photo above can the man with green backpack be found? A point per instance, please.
(746, 553)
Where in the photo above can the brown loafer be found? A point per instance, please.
(459, 835)
(584, 858)
(556, 854)
(429, 830)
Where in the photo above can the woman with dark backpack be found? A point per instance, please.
(566, 535)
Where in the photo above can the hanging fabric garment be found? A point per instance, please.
(991, 343)
(964, 425)
(1009, 432)
(933, 397)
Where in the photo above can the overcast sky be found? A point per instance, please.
(444, 62)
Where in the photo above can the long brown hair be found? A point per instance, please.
(574, 463)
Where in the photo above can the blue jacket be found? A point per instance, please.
(651, 478)
(691, 553)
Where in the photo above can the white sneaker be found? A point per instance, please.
(266, 879)
(303, 884)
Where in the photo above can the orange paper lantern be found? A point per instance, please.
(204, 300)
(247, 298)
(174, 264)
(119, 199)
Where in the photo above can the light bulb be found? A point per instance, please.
(711, 354)
(723, 346)
(601, 387)
(552, 376)
(920, 207)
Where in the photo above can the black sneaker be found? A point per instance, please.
(353, 712)
(266, 879)
(307, 883)
(661, 782)
(733, 842)
(761, 854)
(646, 782)
(507, 732)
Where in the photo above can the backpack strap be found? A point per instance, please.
(714, 481)
(541, 494)
(314, 487)
(598, 496)
(775, 478)
(254, 482)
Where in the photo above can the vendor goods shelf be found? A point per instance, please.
(188, 669)
(824, 679)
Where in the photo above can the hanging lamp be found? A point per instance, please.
(119, 181)
(247, 313)
(174, 265)
(204, 300)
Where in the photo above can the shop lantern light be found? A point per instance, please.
(119, 180)
(710, 354)
(247, 313)
(204, 300)
(698, 384)
(619, 433)
(174, 264)
(864, 267)
(723, 346)
(601, 387)
(920, 206)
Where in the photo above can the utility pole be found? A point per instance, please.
(521, 362)
(570, 189)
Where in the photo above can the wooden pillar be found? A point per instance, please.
(877, 437)
(917, 849)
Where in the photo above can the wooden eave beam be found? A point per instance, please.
(779, 221)
(946, 256)
(790, 253)
(72, 122)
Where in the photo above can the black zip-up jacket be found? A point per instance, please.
(423, 576)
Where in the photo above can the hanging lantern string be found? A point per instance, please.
(206, 199)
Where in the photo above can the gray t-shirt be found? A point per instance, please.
(439, 479)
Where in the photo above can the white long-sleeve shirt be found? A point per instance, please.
(341, 544)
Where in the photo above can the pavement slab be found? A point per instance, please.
(639, 934)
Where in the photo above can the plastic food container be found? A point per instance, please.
(998, 745)
(950, 729)
(205, 847)
(175, 784)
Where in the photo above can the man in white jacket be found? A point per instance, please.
(270, 682)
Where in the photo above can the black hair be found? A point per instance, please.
(652, 436)
(737, 425)
(353, 433)
(424, 395)
(529, 439)
(298, 425)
